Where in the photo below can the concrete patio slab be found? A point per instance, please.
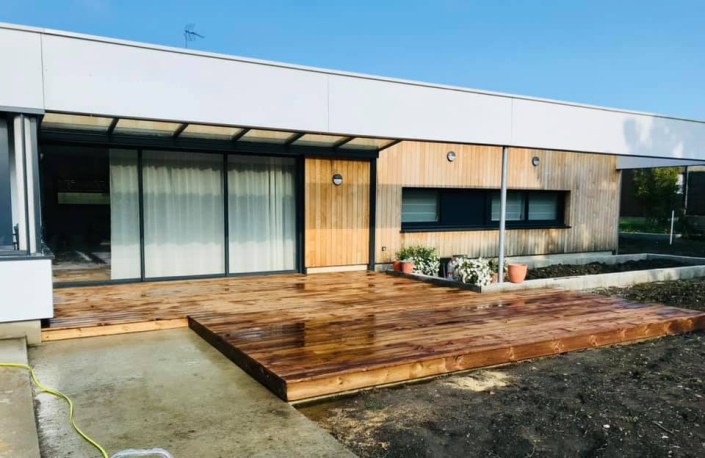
(166, 389)
(18, 432)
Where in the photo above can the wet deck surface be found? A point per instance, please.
(315, 335)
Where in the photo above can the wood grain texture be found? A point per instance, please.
(309, 336)
(591, 207)
(337, 217)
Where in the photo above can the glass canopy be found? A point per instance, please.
(153, 128)
(56, 121)
(60, 122)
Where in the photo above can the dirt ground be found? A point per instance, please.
(681, 247)
(640, 400)
(683, 293)
(594, 268)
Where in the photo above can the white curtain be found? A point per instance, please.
(183, 213)
(261, 214)
(124, 215)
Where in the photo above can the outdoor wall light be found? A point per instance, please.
(451, 156)
(337, 179)
(536, 161)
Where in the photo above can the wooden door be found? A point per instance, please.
(337, 217)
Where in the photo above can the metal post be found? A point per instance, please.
(502, 213)
(673, 215)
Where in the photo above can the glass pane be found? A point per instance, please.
(7, 232)
(138, 127)
(419, 205)
(515, 206)
(54, 121)
(183, 213)
(266, 136)
(366, 143)
(318, 140)
(262, 213)
(124, 215)
(543, 206)
(91, 212)
(209, 132)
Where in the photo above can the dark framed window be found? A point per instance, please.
(433, 209)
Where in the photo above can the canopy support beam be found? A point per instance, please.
(503, 214)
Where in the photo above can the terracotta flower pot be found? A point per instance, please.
(517, 272)
(407, 267)
(397, 266)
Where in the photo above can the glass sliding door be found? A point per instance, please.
(183, 214)
(261, 214)
(124, 215)
(91, 212)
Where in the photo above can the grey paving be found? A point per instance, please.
(18, 432)
(167, 389)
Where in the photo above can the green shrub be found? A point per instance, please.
(474, 271)
(657, 189)
(426, 259)
(494, 265)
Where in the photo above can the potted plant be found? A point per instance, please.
(424, 259)
(517, 272)
(407, 266)
(403, 253)
(473, 271)
(494, 265)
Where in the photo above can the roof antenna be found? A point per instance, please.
(190, 35)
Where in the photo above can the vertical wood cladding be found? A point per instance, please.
(337, 217)
(591, 206)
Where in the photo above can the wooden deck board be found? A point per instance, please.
(308, 336)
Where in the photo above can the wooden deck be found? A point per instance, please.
(308, 336)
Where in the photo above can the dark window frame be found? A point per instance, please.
(487, 223)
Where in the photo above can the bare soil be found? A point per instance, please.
(594, 268)
(640, 400)
(680, 246)
(688, 294)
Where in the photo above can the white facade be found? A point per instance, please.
(26, 290)
(65, 72)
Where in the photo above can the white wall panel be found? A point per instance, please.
(113, 79)
(20, 70)
(26, 290)
(569, 127)
(629, 162)
(84, 74)
(380, 108)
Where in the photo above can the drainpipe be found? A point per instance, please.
(503, 213)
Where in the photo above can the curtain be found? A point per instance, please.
(183, 213)
(261, 214)
(124, 215)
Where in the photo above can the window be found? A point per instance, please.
(516, 205)
(419, 206)
(426, 209)
(7, 226)
(543, 206)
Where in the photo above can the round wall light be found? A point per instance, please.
(451, 156)
(337, 179)
(536, 161)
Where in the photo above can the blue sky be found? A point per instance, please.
(642, 55)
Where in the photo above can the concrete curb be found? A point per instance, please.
(695, 269)
(619, 279)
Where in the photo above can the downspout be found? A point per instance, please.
(503, 214)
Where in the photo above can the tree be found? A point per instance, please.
(657, 189)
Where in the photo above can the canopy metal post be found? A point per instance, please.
(503, 213)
